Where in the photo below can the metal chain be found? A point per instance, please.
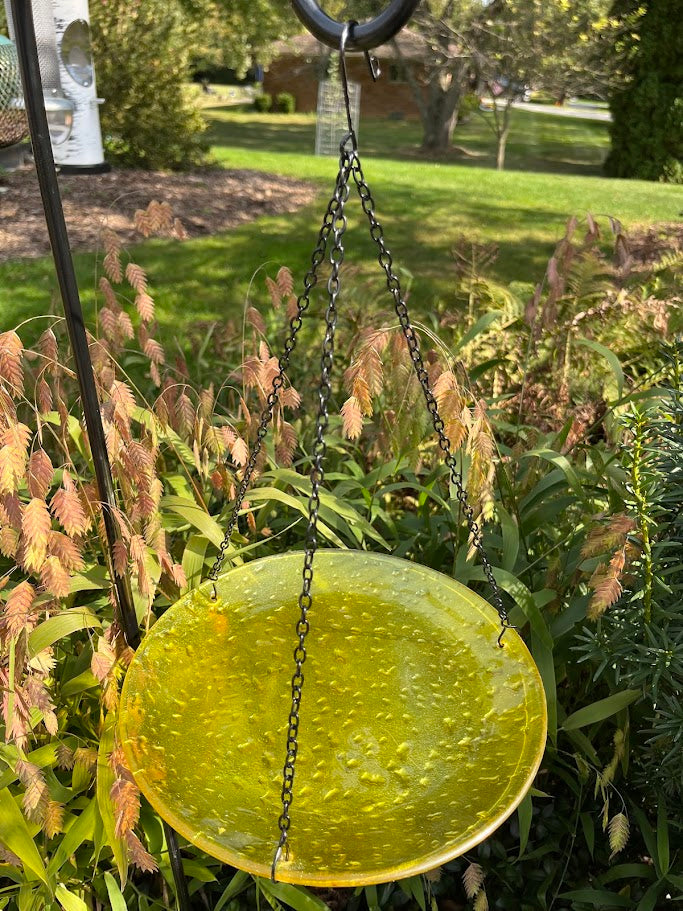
(295, 324)
(317, 478)
(393, 284)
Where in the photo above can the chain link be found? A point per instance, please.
(394, 285)
(341, 195)
(302, 304)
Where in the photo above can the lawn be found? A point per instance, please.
(427, 207)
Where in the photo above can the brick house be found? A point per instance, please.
(299, 63)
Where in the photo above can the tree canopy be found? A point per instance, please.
(647, 104)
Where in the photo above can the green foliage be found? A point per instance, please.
(285, 103)
(639, 643)
(469, 105)
(263, 102)
(237, 33)
(647, 108)
(554, 510)
(142, 57)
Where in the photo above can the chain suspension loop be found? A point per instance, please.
(303, 302)
(317, 479)
(393, 284)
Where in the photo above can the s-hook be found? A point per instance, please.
(367, 35)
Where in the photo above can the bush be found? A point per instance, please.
(647, 111)
(285, 103)
(141, 58)
(263, 103)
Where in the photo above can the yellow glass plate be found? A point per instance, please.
(418, 735)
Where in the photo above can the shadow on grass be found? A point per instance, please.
(208, 280)
(538, 142)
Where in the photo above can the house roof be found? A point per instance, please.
(412, 46)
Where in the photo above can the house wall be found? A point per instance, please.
(383, 98)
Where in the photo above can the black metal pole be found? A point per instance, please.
(27, 53)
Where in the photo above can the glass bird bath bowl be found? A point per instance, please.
(418, 735)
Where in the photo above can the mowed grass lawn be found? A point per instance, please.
(427, 207)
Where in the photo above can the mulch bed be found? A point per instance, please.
(206, 201)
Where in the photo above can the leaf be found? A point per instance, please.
(663, 854)
(508, 526)
(105, 779)
(523, 598)
(610, 357)
(237, 884)
(414, 888)
(650, 900)
(193, 561)
(196, 516)
(482, 324)
(601, 709)
(79, 831)
(59, 626)
(200, 872)
(68, 900)
(296, 897)
(524, 816)
(648, 836)
(588, 827)
(116, 900)
(598, 898)
(559, 461)
(545, 662)
(371, 898)
(15, 835)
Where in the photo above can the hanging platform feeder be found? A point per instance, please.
(418, 731)
(419, 735)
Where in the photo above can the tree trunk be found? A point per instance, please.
(438, 128)
(440, 113)
(500, 155)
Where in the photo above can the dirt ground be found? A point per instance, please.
(205, 201)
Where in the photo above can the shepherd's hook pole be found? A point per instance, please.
(27, 53)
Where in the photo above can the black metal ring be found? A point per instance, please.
(363, 37)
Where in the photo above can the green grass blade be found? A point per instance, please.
(116, 899)
(610, 357)
(603, 708)
(83, 829)
(15, 835)
(195, 515)
(296, 897)
(237, 884)
(68, 900)
(663, 853)
(524, 815)
(59, 626)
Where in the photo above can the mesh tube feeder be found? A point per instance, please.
(13, 122)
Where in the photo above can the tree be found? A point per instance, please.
(239, 33)
(647, 108)
(547, 45)
(141, 55)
